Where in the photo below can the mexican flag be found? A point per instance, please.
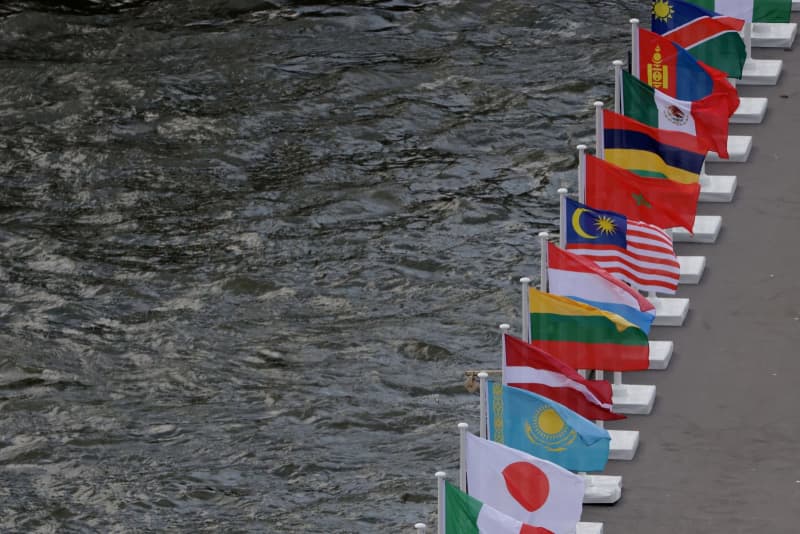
(706, 118)
(749, 10)
(467, 515)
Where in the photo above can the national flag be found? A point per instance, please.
(708, 36)
(586, 337)
(751, 10)
(544, 428)
(467, 515)
(667, 67)
(651, 152)
(706, 118)
(530, 368)
(664, 203)
(638, 253)
(579, 278)
(522, 486)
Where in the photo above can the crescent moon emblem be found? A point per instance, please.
(576, 224)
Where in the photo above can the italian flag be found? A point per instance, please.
(706, 118)
(467, 515)
(750, 10)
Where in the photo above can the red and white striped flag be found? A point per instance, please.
(642, 254)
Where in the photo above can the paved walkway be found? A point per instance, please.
(721, 451)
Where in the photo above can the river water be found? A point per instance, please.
(249, 248)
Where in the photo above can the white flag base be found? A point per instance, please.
(738, 149)
(773, 34)
(623, 444)
(660, 354)
(761, 71)
(706, 229)
(602, 489)
(589, 528)
(717, 188)
(692, 268)
(751, 110)
(633, 399)
(670, 311)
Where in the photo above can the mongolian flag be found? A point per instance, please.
(710, 37)
(667, 67)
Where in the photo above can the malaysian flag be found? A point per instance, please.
(638, 253)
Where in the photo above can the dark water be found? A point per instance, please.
(249, 247)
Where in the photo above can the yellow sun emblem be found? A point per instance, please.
(662, 10)
(605, 225)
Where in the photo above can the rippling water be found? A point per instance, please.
(249, 247)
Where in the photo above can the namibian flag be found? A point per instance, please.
(651, 152)
(586, 337)
(708, 36)
(667, 67)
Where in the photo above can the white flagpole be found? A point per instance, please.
(635, 47)
(526, 312)
(544, 259)
(462, 457)
(420, 528)
(598, 128)
(562, 214)
(582, 172)
(617, 85)
(483, 377)
(440, 498)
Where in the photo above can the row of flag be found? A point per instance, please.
(539, 422)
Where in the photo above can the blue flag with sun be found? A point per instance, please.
(590, 226)
(546, 429)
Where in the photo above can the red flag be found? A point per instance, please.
(664, 203)
(530, 368)
(667, 67)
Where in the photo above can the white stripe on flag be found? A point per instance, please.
(527, 375)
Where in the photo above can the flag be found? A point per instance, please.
(706, 118)
(544, 428)
(467, 515)
(581, 279)
(522, 486)
(638, 253)
(586, 337)
(530, 368)
(651, 152)
(667, 67)
(664, 203)
(751, 10)
(708, 36)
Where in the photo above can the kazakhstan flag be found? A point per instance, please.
(544, 428)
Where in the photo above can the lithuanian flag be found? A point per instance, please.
(586, 337)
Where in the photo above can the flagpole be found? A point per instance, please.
(562, 214)
(483, 377)
(462, 457)
(544, 260)
(526, 312)
(617, 85)
(504, 328)
(440, 498)
(635, 47)
(600, 148)
(582, 173)
(420, 528)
